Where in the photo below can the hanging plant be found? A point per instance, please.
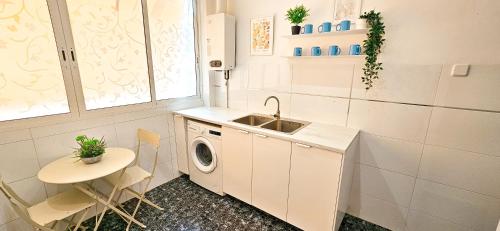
(372, 46)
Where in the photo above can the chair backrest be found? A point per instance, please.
(19, 205)
(152, 139)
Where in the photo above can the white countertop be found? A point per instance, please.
(325, 136)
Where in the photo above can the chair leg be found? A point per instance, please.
(81, 219)
(133, 214)
(145, 200)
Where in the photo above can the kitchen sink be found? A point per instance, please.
(254, 120)
(285, 125)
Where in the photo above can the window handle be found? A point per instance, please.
(63, 55)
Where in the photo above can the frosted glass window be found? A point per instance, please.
(31, 81)
(173, 47)
(109, 42)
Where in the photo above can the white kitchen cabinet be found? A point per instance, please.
(314, 186)
(181, 143)
(271, 174)
(237, 163)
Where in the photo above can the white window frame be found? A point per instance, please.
(74, 92)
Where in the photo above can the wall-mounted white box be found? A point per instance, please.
(221, 41)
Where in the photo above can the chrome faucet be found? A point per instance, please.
(277, 115)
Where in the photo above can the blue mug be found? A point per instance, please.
(316, 51)
(334, 50)
(307, 29)
(297, 51)
(325, 27)
(355, 49)
(343, 25)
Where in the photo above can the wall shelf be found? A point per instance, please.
(327, 57)
(327, 34)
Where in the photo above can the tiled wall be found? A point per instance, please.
(24, 152)
(430, 142)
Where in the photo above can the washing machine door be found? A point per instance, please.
(203, 155)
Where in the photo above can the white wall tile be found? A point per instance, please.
(31, 190)
(328, 110)
(256, 101)
(16, 225)
(127, 131)
(322, 79)
(407, 122)
(418, 221)
(385, 185)
(256, 76)
(51, 148)
(238, 100)
(473, 131)
(466, 208)
(478, 90)
(18, 161)
(15, 136)
(401, 83)
(378, 211)
(467, 170)
(71, 126)
(391, 154)
(163, 175)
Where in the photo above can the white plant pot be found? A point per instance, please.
(92, 160)
(361, 23)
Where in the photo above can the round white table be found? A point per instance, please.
(68, 170)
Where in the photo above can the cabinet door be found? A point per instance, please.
(237, 163)
(181, 144)
(314, 183)
(271, 171)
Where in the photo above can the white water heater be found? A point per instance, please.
(221, 41)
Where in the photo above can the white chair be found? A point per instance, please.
(45, 215)
(136, 174)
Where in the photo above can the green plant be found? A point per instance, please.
(372, 46)
(89, 147)
(297, 15)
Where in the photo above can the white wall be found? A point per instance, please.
(430, 143)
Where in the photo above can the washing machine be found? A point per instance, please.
(204, 155)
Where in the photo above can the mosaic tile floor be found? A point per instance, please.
(191, 207)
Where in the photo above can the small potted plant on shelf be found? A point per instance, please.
(296, 16)
(90, 150)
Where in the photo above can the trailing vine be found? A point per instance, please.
(372, 46)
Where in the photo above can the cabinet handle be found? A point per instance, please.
(303, 145)
(244, 132)
(261, 136)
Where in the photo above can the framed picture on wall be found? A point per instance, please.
(346, 10)
(262, 36)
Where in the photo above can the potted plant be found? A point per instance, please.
(90, 150)
(296, 16)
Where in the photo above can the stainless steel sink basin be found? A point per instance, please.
(285, 125)
(254, 120)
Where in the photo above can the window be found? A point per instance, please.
(171, 26)
(31, 79)
(68, 57)
(110, 45)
